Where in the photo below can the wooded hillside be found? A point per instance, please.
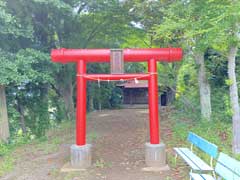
(36, 94)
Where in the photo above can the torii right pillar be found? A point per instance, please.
(155, 153)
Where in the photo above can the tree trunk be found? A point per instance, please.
(20, 109)
(67, 93)
(171, 95)
(4, 127)
(91, 104)
(65, 87)
(234, 99)
(204, 88)
(99, 106)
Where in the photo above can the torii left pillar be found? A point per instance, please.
(155, 155)
(81, 152)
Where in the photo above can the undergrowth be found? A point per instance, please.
(215, 131)
(46, 144)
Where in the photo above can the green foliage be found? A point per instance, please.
(216, 66)
(10, 24)
(6, 151)
(25, 66)
(29, 86)
(136, 39)
(6, 164)
(100, 163)
(91, 137)
(34, 66)
(221, 105)
(189, 24)
(47, 145)
(38, 119)
(116, 98)
(8, 69)
(186, 79)
(57, 110)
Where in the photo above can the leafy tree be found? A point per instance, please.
(189, 23)
(227, 24)
(10, 29)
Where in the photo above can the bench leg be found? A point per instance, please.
(214, 175)
(190, 178)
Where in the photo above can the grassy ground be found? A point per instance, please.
(217, 132)
(9, 154)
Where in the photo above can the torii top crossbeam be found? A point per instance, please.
(129, 55)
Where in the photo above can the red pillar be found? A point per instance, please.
(81, 104)
(153, 102)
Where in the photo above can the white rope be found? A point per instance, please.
(108, 80)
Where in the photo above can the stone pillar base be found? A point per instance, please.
(155, 155)
(81, 156)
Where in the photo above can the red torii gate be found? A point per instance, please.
(81, 152)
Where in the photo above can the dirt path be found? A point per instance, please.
(118, 138)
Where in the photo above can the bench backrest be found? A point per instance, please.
(227, 167)
(203, 144)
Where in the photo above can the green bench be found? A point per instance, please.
(196, 163)
(226, 168)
